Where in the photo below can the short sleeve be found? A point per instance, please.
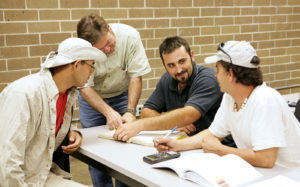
(267, 126)
(220, 126)
(205, 94)
(137, 60)
(156, 101)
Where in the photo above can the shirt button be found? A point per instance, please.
(108, 76)
(104, 86)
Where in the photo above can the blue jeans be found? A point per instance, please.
(91, 118)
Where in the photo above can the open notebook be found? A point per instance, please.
(209, 169)
(145, 137)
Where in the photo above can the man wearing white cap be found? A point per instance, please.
(264, 129)
(35, 117)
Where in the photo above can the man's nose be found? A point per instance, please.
(107, 48)
(91, 72)
(178, 68)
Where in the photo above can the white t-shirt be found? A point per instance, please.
(265, 122)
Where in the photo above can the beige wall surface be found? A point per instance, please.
(29, 29)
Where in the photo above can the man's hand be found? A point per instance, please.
(114, 120)
(127, 130)
(74, 142)
(128, 117)
(188, 128)
(211, 144)
(166, 144)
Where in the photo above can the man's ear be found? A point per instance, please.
(232, 77)
(192, 55)
(76, 63)
(108, 27)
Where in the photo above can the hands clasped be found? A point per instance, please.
(74, 142)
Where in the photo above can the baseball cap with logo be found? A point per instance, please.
(239, 53)
(72, 49)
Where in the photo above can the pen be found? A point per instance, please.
(163, 154)
(170, 132)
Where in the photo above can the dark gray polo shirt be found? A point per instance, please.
(201, 92)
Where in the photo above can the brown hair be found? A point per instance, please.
(172, 43)
(91, 28)
(244, 75)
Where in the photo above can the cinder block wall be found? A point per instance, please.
(29, 29)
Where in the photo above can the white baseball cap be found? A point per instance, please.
(236, 52)
(72, 49)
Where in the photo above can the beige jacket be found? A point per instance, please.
(27, 135)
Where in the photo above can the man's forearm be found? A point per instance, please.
(263, 158)
(178, 117)
(134, 91)
(147, 112)
(95, 100)
(194, 142)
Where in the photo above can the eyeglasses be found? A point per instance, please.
(109, 40)
(91, 66)
(220, 49)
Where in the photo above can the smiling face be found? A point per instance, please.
(179, 64)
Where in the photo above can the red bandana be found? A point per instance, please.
(60, 110)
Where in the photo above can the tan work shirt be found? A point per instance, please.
(27, 135)
(128, 60)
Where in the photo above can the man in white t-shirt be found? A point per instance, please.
(264, 129)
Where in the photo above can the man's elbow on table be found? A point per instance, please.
(268, 163)
(266, 158)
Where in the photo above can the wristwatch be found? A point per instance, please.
(131, 110)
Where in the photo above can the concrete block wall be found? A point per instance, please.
(29, 29)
